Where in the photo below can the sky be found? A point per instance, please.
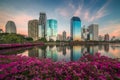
(106, 13)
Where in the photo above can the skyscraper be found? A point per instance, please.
(93, 32)
(42, 25)
(106, 38)
(84, 33)
(64, 36)
(33, 29)
(10, 27)
(52, 29)
(76, 28)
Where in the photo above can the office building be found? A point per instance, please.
(64, 35)
(100, 38)
(10, 27)
(33, 29)
(52, 29)
(42, 25)
(59, 37)
(84, 33)
(76, 29)
(106, 37)
(93, 32)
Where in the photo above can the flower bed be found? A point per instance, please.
(89, 67)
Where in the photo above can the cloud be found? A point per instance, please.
(78, 12)
(89, 15)
(112, 29)
(71, 6)
(79, 9)
(21, 21)
(63, 12)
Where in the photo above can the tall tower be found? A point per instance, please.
(33, 29)
(76, 28)
(64, 36)
(93, 32)
(52, 29)
(10, 27)
(42, 25)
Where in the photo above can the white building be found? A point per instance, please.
(93, 32)
(33, 29)
(10, 27)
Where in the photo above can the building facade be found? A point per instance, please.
(33, 29)
(106, 37)
(10, 27)
(84, 33)
(42, 25)
(59, 37)
(64, 35)
(93, 32)
(76, 29)
(52, 29)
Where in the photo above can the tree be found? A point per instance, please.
(43, 40)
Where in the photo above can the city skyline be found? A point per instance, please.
(105, 13)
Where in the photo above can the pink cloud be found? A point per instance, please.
(78, 12)
(21, 21)
(63, 12)
(111, 29)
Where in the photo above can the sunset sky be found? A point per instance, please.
(104, 12)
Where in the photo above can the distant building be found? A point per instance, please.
(64, 35)
(106, 37)
(93, 32)
(59, 37)
(10, 27)
(76, 29)
(52, 29)
(100, 38)
(1, 31)
(84, 33)
(33, 29)
(42, 25)
(113, 38)
(68, 38)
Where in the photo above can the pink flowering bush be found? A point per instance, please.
(89, 67)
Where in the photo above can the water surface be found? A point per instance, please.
(67, 53)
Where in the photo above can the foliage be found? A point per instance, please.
(89, 67)
(43, 40)
(13, 38)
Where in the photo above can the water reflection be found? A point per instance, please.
(67, 53)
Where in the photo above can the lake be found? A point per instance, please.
(67, 53)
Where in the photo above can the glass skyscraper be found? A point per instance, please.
(76, 29)
(52, 29)
(42, 25)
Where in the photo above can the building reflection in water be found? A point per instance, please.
(52, 52)
(75, 53)
(89, 49)
(64, 50)
(33, 52)
(67, 53)
(106, 48)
